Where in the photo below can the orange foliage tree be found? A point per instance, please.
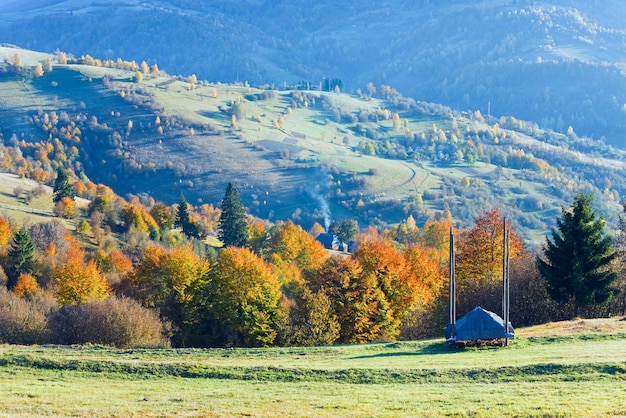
(112, 262)
(76, 281)
(479, 261)
(26, 285)
(427, 318)
(480, 249)
(388, 268)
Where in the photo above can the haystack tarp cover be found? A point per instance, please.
(479, 324)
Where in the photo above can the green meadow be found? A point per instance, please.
(546, 373)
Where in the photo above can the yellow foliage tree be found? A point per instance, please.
(65, 208)
(292, 244)
(5, 232)
(241, 300)
(38, 70)
(356, 300)
(76, 281)
(163, 280)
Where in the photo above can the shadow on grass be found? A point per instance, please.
(434, 348)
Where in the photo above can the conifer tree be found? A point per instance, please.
(232, 227)
(577, 262)
(183, 219)
(63, 186)
(21, 255)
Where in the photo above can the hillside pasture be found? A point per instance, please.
(574, 368)
(294, 153)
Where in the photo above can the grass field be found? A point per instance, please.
(568, 369)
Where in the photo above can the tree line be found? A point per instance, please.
(158, 284)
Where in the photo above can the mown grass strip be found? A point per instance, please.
(528, 373)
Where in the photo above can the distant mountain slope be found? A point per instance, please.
(305, 155)
(558, 63)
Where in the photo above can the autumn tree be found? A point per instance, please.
(5, 232)
(356, 299)
(317, 229)
(112, 262)
(65, 208)
(479, 262)
(290, 243)
(135, 216)
(38, 70)
(427, 318)
(163, 280)
(232, 226)
(239, 302)
(345, 230)
(407, 232)
(26, 285)
(436, 235)
(21, 257)
(259, 238)
(388, 269)
(77, 281)
(311, 320)
(162, 216)
(577, 261)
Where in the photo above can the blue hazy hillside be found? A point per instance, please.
(557, 63)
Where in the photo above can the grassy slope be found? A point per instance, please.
(576, 371)
(271, 184)
(39, 209)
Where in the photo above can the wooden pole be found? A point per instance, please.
(452, 301)
(505, 281)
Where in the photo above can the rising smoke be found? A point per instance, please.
(319, 196)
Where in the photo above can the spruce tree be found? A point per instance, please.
(232, 227)
(577, 262)
(183, 220)
(63, 186)
(21, 255)
(182, 212)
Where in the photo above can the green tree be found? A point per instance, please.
(311, 320)
(577, 262)
(63, 186)
(21, 256)
(183, 219)
(162, 215)
(232, 226)
(346, 231)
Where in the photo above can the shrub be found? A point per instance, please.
(23, 321)
(26, 285)
(121, 323)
